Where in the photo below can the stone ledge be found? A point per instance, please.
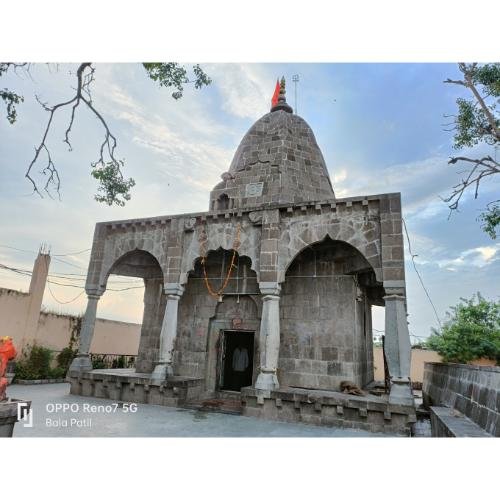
(448, 422)
(238, 212)
(473, 391)
(126, 385)
(329, 408)
(482, 368)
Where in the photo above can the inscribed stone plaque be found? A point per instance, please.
(254, 189)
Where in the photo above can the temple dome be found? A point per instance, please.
(278, 161)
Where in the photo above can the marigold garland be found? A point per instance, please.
(218, 293)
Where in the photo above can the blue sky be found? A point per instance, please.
(380, 127)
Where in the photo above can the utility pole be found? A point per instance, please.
(295, 80)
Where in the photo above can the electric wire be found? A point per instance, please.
(62, 302)
(29, 273)
(18, 249)
(412, 255)
(52, 255)
(69, 276)
(68, 263)
(72, 253)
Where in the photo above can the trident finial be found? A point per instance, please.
(282, 104)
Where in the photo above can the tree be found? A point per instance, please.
(472, 331)
(107, 168)
(477, 122)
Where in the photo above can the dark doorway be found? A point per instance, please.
(237, 360)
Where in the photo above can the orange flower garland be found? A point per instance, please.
(218, 293)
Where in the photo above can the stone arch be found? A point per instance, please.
(325, 317)
(242, 263)
(137, 263)
(327, 239)
(116, 251)
(199, 311)
(221, 236)
(223, 202)
(298, 238)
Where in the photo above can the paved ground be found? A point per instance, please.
(147, 421)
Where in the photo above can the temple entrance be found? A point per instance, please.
(236, 361)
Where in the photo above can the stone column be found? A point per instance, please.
(82, 361)
(269, 337)
(168, 333)
(398, 349)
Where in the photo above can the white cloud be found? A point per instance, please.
(423, 183)
(420, 183)
(187, 144)
(246, 89)
(473, 257)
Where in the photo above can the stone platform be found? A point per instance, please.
(335, 409)
(327, 408)
(124, 384)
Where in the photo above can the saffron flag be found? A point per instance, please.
(276, 94)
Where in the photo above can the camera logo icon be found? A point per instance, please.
(24, 414)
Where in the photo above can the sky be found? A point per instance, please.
(381, 128)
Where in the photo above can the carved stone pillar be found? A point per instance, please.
(269, 337)
(398, 349)
(82, 361)
(168, 333)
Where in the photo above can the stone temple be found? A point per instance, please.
(266, 297)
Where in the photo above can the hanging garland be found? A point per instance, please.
(203, 252)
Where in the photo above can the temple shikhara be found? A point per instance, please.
(266, 298)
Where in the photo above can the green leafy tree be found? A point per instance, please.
(113, 187)
(477, 122)
(471, 331)
(10, 98)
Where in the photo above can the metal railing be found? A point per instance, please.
(112, 360)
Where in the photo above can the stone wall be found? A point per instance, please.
(472, 390)
(333, 324)
(201, 318)
(111, 337)
(337, 409)
(325, 320)
(54, 330)
(13, 313)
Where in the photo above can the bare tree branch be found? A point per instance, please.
(107, 169)
(85, 77)
(476, 123)
(482, 168)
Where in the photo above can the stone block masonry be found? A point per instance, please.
(447, 422)
(277, 256)
(331, 409)
(126, 385)
(473, 391)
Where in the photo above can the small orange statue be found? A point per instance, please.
(7, 352)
